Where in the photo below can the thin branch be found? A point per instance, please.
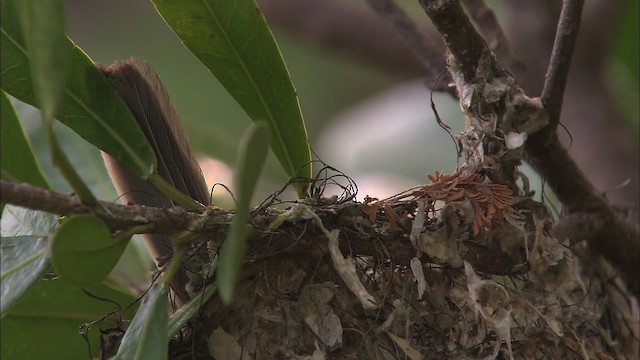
(544, 151)
(616, 239)
(117, 217)
(493, 34)
(422, 46)
(560, 62)
(356, 32)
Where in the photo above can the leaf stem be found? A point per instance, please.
(139, 229)
(174, 194)
(179, 254)
(61, 161)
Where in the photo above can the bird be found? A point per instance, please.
(144, 94)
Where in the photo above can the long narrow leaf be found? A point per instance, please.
(180, 318)
(251, 157)
(16, 156)
(233, 40)
(90, 106)
(146, 337)
(43, 28)
(42, 24)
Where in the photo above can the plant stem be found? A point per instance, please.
(61, 161)
(179, 254)
(174, 194)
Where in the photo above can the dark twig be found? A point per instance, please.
(408, 32)
(493, 34)
(544, 150)
(560, 62)
(117, 217)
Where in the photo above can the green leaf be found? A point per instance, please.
(16, 155)
(23, 255)
(23, 260)
(233, 40)
(146, 337)
(251, 156)
(45, 323)
(43, 28)
(83, 252)
(18, 221)
(90, 106)
(180, 318)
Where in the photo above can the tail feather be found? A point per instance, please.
(140, 88)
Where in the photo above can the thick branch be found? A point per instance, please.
(560, 62)
(616, 239)
(462, 39)
(554, 164)
(495, 37)
(117, 217)
(612, 237)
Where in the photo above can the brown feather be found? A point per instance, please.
(142, 91)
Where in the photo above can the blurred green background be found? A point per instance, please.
(371, 124)
(344, 129)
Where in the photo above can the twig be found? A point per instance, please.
(560, 62)
(117, 217)
(544, 150)
(616, 239)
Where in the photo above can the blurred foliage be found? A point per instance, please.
(325, 82)
(624, 65)
(627, 39)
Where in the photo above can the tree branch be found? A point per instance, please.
(495, 37)
(615, 239)
(544, 150)
(560, 62)
(461, 38)
(117, 217)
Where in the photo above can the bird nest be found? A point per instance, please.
(456, 269)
